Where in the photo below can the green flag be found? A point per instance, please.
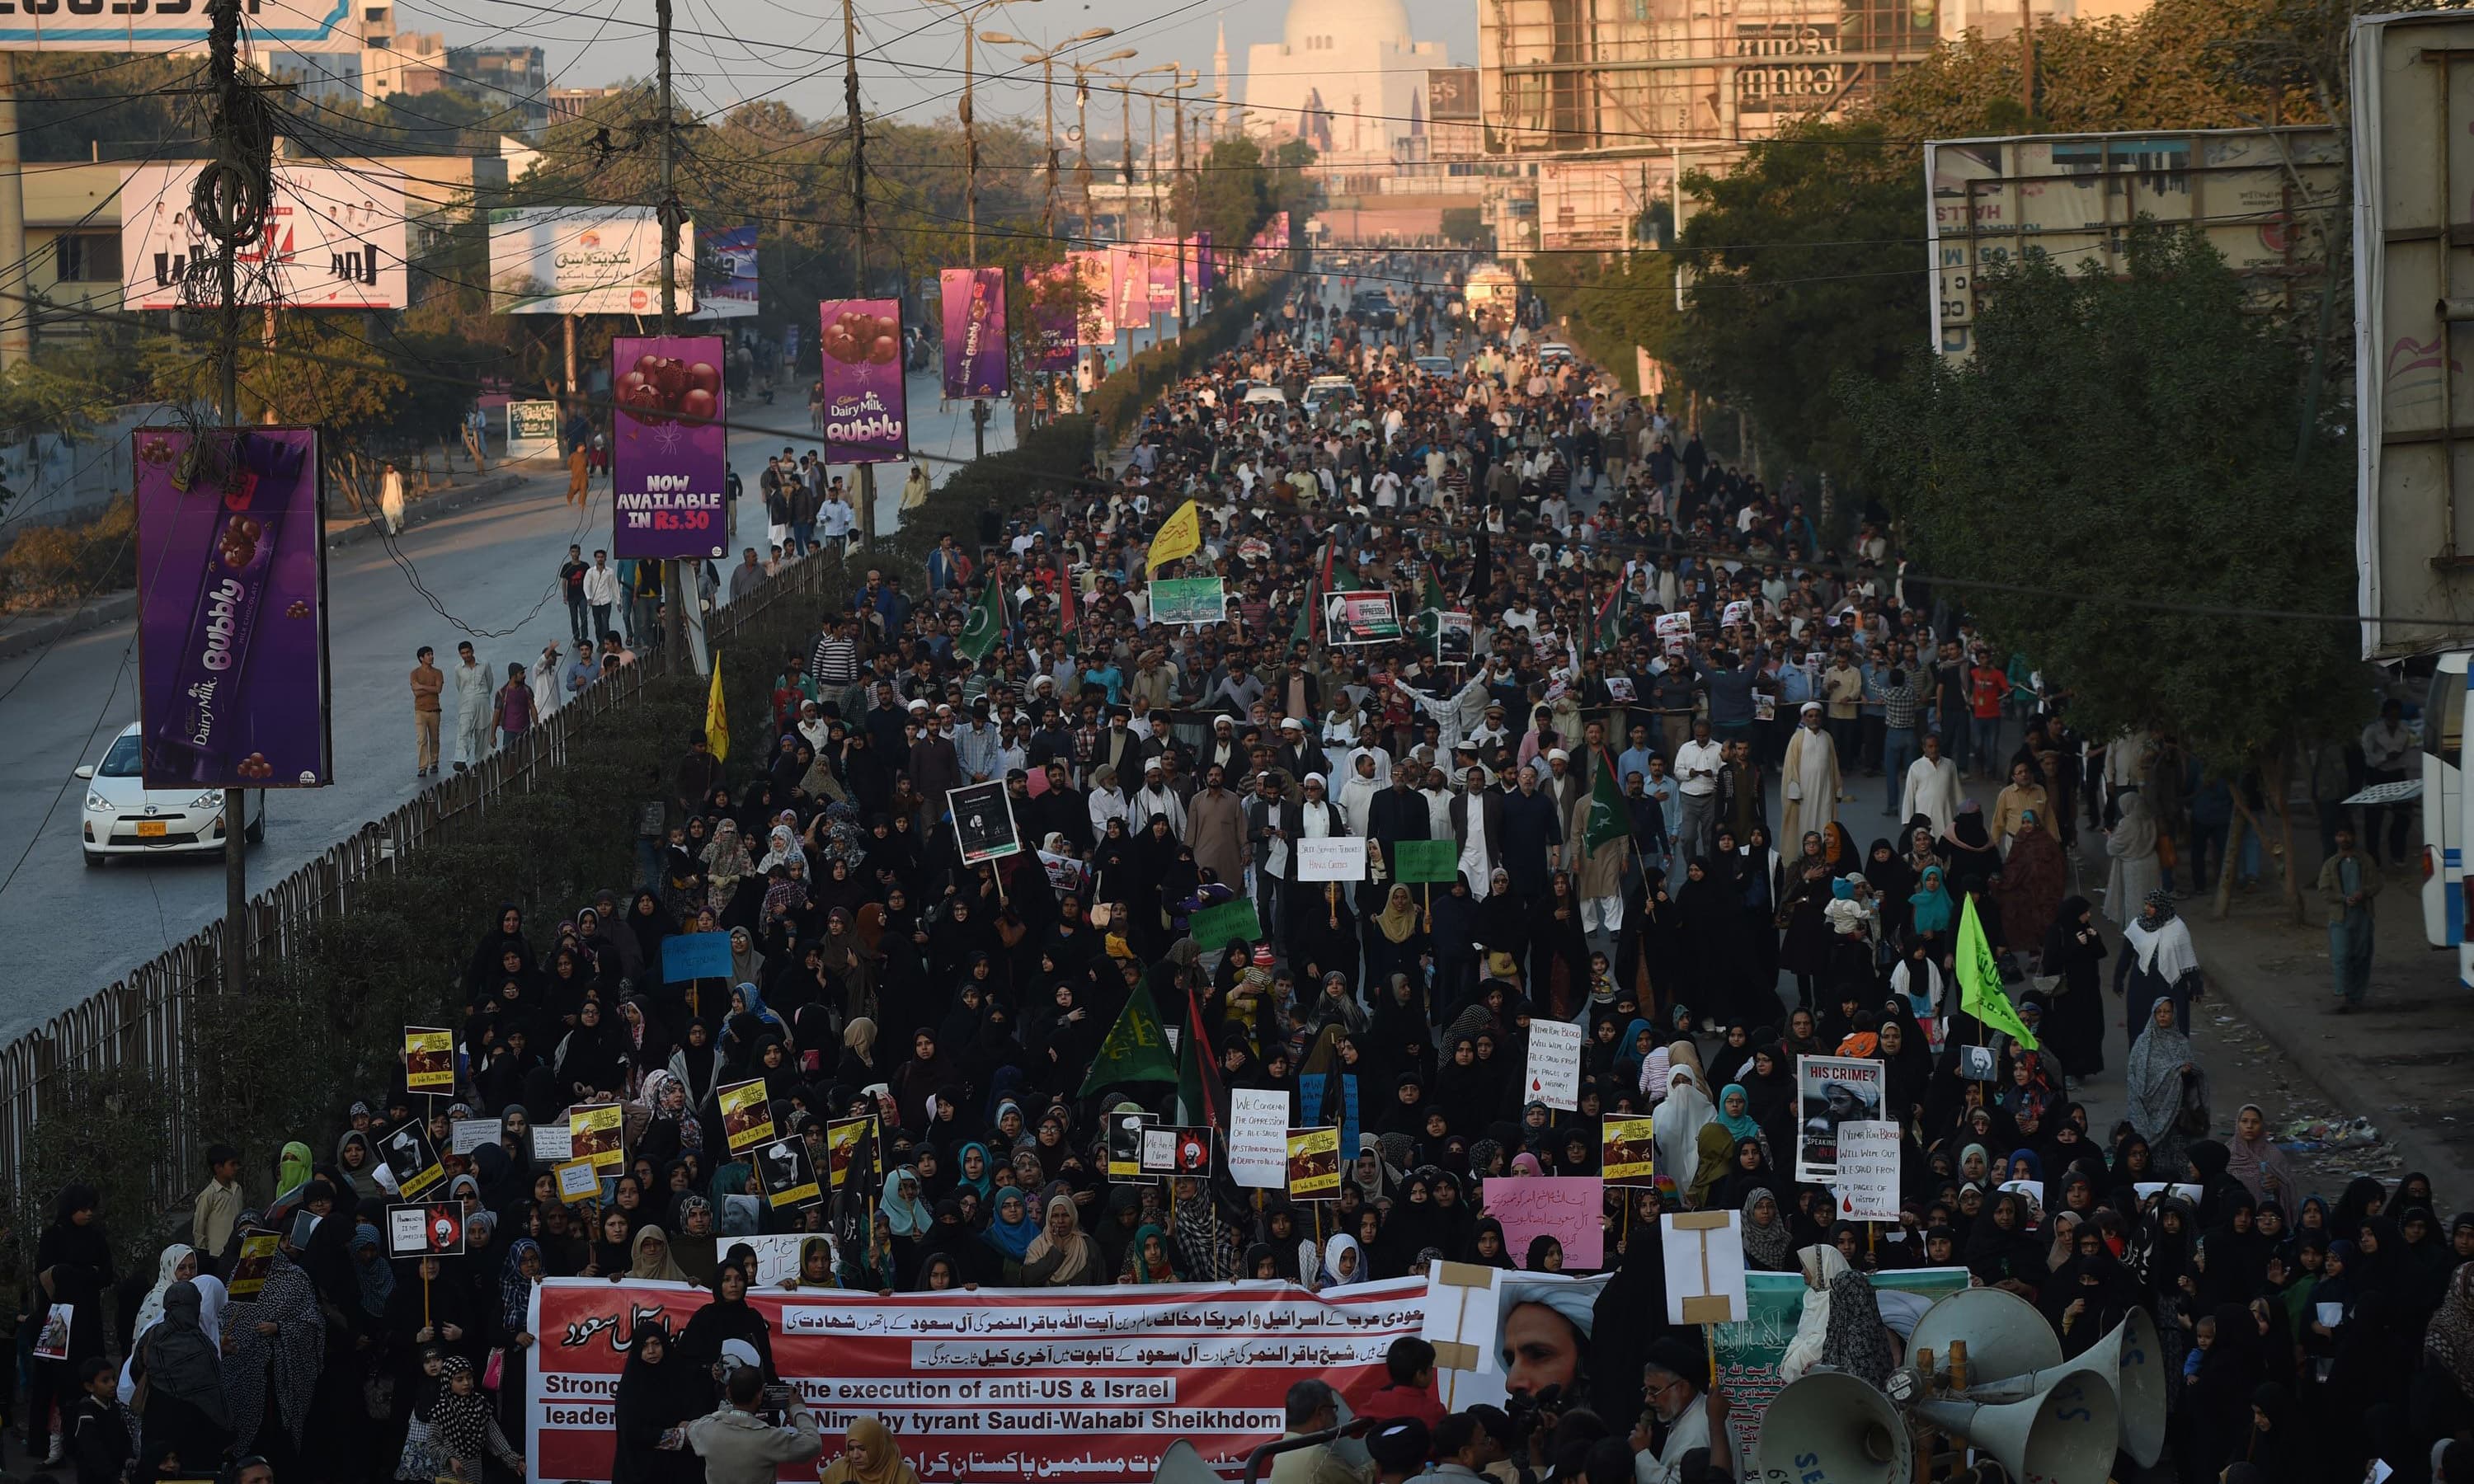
(1430, 597)
(1609, 621)
(986, 624)
(1980, 981)
(1609, 819)
(1201, 1096)
(1136, 1049)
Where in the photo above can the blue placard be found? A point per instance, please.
(1310, 1108)
(695, 956)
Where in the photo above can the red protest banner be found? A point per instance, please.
(1010, 1385)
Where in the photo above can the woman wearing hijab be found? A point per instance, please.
(648, 1258)
(270, 1377)
(1676, 1131)
(2255, 1160)
(2075, 1031)
(1821, 1266)
(1062, 1254)
(1344, 1263)
(1854, 1340)
(2166, 1094)
(186, 1414)
(1932, 918)
(869, 1456)
(659, 1394)
(1768, 1248)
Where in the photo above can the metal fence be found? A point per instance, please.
(143, 1022)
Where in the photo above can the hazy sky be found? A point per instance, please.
(728, 50)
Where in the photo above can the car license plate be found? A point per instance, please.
(153, 830)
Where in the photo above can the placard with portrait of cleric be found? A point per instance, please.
(1830, 1091)
(983, 822)
(1367, 617)
(1455, 638)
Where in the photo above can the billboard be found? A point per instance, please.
(334, 239)
(725, 276)
(1088, 1383)
(232, 609)
(2411, 451)
(1091, 270)
(971, 301)
(1052, 317)
(1596, 205)
(670, 474)
(579, 260)
(175, 25)
(2264, 197)
(867, 407)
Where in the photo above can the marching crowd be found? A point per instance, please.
(1620, 796)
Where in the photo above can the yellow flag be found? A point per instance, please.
(716, 716)
(1180, 536)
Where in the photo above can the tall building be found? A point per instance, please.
(1346, 77)
(1218, 128)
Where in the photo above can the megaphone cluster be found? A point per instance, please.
(1984, 1368)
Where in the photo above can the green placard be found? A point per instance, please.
(1188, 600)
(1425, 860)
(1213, 926)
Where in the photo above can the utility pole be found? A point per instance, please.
(2026, 60)
(18, 320)
(858, 127)
(229, 203)
(1177, 228)
(674, 631)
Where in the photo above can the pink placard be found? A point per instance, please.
(1563, 1207)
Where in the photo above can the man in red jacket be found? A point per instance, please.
(1411, 1390)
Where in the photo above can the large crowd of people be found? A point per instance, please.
(1645, 752)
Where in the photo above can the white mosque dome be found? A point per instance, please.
(1344, 26)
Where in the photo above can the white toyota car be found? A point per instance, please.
(124, 817)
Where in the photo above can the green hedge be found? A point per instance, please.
(323, 1025)
(1115, 403)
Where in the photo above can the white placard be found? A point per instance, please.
(777, 1257)
(1868, 1171)
(1461, 1307)
(472, 1134)
(334, 239)
(1258, 1138)
(2148, 1188)
(1333, 858)
(1554, 1074)
(1705, 1267)
(551, 1143)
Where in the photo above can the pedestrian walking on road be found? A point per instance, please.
(391, 499)
(513, 704)
(571, 575)
(427, 681)
(472, 707)
(544, 681)
(2348, 880)
(579, 473)
(600, 594)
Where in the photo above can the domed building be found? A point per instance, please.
(1346, 77)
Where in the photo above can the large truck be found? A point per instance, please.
(1491, 296)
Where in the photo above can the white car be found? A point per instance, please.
(1554, 350)
(1436, 366)
(124, 817)
(1260, 393)
(1324, 391)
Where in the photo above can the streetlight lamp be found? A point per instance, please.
(1046, 63)
(970, 12)
(1083, 71)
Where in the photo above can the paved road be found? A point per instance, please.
(71, 931)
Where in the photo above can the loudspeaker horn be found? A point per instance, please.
(2004, 1335)
(1183, 1464)
(2134, 1361)
(1831, 1425)
(2064, 1434)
